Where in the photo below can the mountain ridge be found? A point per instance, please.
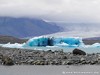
(26, 27)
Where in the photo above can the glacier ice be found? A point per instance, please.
(16, 45)
(95, 45)
(53, 41)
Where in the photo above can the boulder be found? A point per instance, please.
(7, 61)
(78, 52)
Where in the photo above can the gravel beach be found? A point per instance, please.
(14, 56)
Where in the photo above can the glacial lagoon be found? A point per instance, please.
(66, 44)
(51, 69)
(67, 49)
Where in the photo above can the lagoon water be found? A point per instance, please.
(67, 49)
(50, 70)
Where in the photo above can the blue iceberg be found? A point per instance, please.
(53, 41)
(39, 41)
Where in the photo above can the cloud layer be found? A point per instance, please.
(53, 10)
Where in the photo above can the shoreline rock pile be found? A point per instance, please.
(14, 56)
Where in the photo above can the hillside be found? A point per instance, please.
(26, 27)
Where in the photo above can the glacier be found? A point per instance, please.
(45, 41)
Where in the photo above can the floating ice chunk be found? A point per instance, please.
(16, 45)
(1, 45)
(52, 41)
(95, 45)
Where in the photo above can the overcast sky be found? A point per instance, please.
(53, 10)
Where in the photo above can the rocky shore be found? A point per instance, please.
(13, 56)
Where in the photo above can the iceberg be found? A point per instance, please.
(39, 41)
(53, 41)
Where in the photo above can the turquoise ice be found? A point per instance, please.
(55, 41)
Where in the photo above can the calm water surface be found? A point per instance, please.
(50, 70)
(67, 49)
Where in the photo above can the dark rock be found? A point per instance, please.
(78, 52)
(70, 62)
(7, 61)
(49, 51)
(64, 57)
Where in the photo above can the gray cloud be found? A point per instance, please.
(53, 10)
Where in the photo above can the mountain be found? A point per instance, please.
(26, 27)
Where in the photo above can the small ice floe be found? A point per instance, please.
(16, 45)
(95, 45)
